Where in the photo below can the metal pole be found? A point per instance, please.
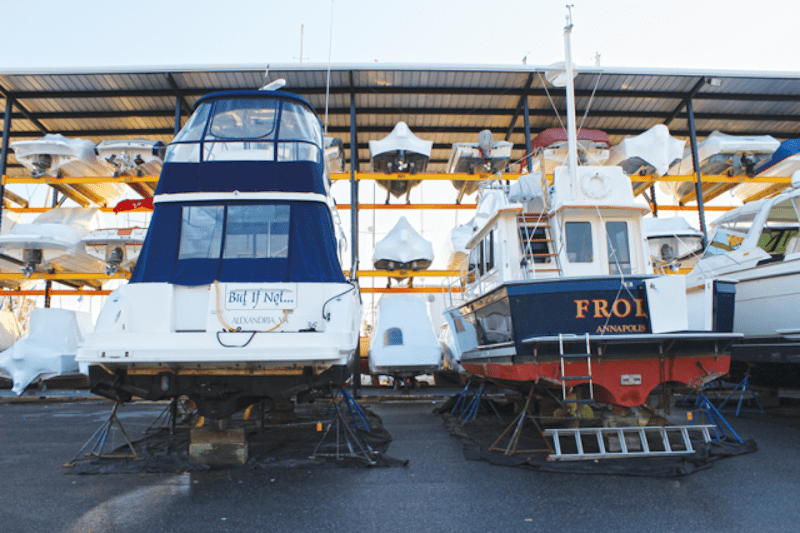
(653, 199)
(4, 153)
(354, 221)
(698, 181)
(528, 155)
(177, 115)
(572, 136)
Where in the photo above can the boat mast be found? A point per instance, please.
(572, 137)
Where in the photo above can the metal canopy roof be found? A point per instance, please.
(444, 104)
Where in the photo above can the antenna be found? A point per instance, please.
(328, 81)
(302, 39)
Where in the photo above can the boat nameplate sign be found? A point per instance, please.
(261, 298)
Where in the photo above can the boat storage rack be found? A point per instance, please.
(619, 442)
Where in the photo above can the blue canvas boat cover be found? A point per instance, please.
(787, 148)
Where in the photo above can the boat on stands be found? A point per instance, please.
(53, 242)
(401, 152)
(560, 290)
(487, 156)
(238, 294)
(403, 344)
(674, 244)
(57, 156)
(719, 154)
(756, 246)
(134, 157)
(649, 153)
(784, 162)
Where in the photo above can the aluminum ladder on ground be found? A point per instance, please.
(587, 357)
(624, 442)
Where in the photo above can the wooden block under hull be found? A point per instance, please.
(212, 447)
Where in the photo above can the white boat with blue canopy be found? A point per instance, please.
(238, 294)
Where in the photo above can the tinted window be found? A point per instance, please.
(393, 337)
(579, 242)
(257, 232)
(201, 232)
(619, 252)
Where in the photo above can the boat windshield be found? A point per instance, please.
(248, 129)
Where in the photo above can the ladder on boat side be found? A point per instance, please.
(615, 443)
(587, 357)
(537, 245)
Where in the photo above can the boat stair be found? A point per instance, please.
(623, 442)
(537, 244)
(568, 357)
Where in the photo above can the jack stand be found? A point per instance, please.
(471, 409)
(169, 417)
(517, 424)
(461, 401)
(99, 439)
(745, 386)
(353, 409)
(716, 419)
(711, 387)
(345, 435)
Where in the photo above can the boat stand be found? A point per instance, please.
(353, 409)
(745, 386)
(469, 407)
(517, 424)
(168, 418)
(347, 442)
(97, 442)
(722, 430)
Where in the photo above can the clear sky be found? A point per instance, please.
(95, 34)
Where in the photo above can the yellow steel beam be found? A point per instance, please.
(55, 293)
(406, 290)
(64, 276)
(409, 206)
(714, 179)
(423, 176)
(406, 273)
(68, 180)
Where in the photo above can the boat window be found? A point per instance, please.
(724, 241)
(476, 259)
(579, 242)
(298, 151)
(619, 251)
(201, 232)
(257, 232)
(774, 240)
(298, 123)
(489, 251)
(740, 224)
(193, 130)
(246, 118)
(393, 337)
(238, 151)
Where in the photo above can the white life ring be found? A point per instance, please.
(596, 186)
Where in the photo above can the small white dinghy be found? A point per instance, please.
(651, 152)
(485, 156)
(403, 343)
(403, 249)
(673, 242)
(54, 241)
(719, 154)
(399, 152)
(48, 350)
(56, 155)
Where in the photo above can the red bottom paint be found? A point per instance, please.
(607, 375)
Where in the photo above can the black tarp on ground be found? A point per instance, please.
(478, 435)
(280, 446)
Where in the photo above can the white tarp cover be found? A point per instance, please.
(10, 329)
(401, 138)
(655, 147)
(721, 143)
(456, 246)
(60, 229)
(404, 343)
(61, 149)
(403, 245)
(669, 227)
(48, 350)
(129, 155)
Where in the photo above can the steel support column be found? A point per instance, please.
(178, 100)
(354, 221)
(528, 155)
(698, 182)
(4, 152)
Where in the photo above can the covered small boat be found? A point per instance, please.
(334, 155)
(549, 149)
(651, 152)
(403, 248)
(48, 350)
(54, 242)
(55, 155)
(720, 154)
(673, 242)
(403, 343)
(119, 248)
(401, 152)
(783, 163)
(485, 156)
(134, 157)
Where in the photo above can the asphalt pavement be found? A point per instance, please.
(438, 491)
